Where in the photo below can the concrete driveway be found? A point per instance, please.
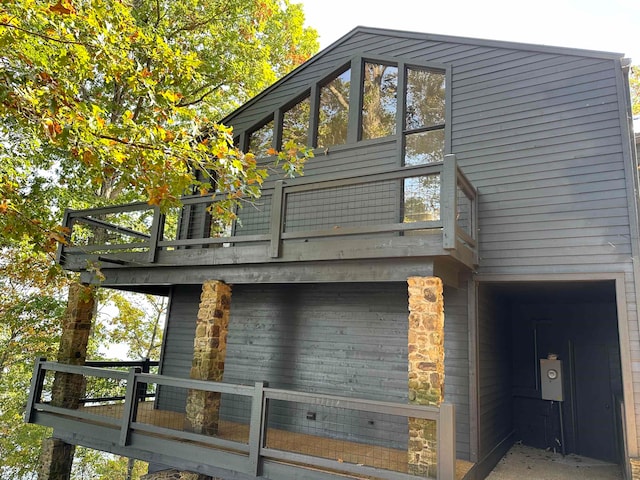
(522, 462)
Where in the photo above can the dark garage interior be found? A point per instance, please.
(576, 322)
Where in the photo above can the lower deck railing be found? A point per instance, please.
(257, 430)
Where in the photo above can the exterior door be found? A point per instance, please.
(594, 402)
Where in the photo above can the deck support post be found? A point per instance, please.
(635, 468)
(209, 351)
(426, 369)
(57, 456)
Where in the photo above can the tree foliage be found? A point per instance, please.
(30, 306)
(112, 98)
(133, 320)
(108, 101)
(634, 81)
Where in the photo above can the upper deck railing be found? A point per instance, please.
(403, 202)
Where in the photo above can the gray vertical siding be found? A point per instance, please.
(178, 343)
(494, 373)
(456, 363)
(339, 339)
(348, 340)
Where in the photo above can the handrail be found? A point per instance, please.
(452, 178)
(255, 449)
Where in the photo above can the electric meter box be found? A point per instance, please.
(551, 379)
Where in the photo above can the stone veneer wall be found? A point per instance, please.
(426, 368)
(635, 468)
(209, 350)
(56, 456)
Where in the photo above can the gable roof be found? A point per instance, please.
(427, 37)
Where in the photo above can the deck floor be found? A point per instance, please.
(319, 446)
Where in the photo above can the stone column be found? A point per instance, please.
(174, 475)
(209, 350)
(426, 368)
(57, 456)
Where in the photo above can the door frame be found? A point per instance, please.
(629, 424)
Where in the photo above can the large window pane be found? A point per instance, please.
(261, 140)
(295, 123)
(424, 147)
(379, 100)
(422, 198)
(333, 116)
(425, 99)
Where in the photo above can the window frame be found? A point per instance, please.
(404, 132)
(246, 139)
(356, 91)
(314, 117)
(278, 126)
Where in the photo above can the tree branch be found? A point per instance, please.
(46, 37)
(199, 99)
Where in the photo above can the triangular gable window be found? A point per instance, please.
(364, 101)
(295, 123)
(261, 140)
(333, 115)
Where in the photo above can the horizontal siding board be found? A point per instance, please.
(573, 204)
(491, 209)
(550, 136)
(524, 106)
(523, 73)
(545, 127)
(550, 165)
(577, 107)
(505, 102)
(498, 66)
(539, 81)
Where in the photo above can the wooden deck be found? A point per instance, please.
(322, 447)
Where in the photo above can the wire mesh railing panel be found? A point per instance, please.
(341, 434)
(374, 203)
(171, 227)
(225, 416)
(101, 390)
(254, 218)
(168, 409)
(463, 214)
(118, 228)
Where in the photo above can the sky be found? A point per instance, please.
(606, 25)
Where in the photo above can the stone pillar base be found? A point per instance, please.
(423, 453)
(426, 369)
(175, 475)
(209, 351)
(635, 468)
(56, 458)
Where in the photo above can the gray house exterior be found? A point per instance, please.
(507, 171)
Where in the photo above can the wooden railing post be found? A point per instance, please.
(35, 390)
(448, 201)
(67, 222)
(157, 226)
(141, 390)
(130, 406)
(257, 427)
(277, 213)
(447, 442)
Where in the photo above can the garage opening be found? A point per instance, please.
(575, 324)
